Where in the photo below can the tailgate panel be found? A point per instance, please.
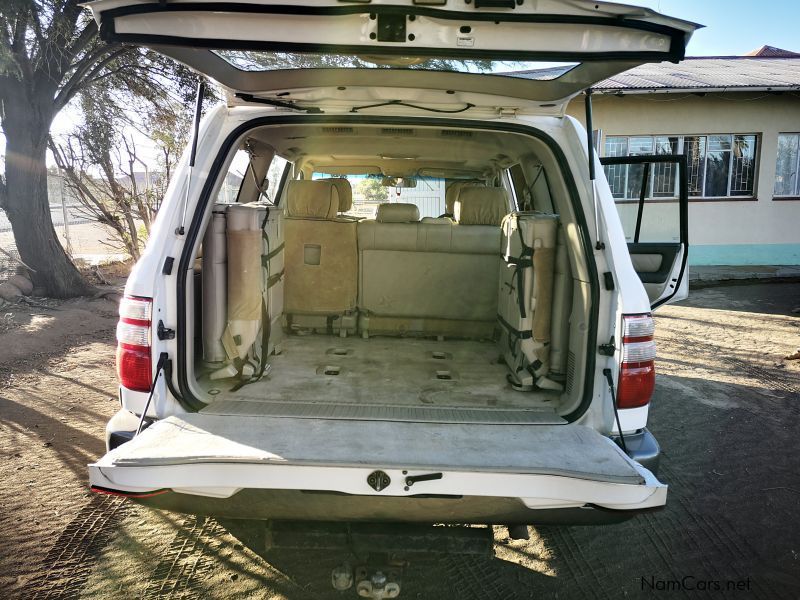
(545, 466)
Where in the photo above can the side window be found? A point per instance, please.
(520, 187)
(649, 209)
(240, 169)
(274, 176)
(229, 190)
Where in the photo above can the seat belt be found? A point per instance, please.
(524, 261)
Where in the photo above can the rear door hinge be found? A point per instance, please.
(607, 349)
(164, 333)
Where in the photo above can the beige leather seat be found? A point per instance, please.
(452, 192)
(397, 212)
(429, 278)
(345, 191)
(321, 259)
(481, 206)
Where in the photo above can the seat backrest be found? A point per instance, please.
(321, 256)
(421, 276)
(452, 192)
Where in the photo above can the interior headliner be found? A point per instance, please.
(396, 151)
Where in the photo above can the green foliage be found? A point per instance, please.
(372, 190)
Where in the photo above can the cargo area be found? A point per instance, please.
(403, 379)
(337, 280)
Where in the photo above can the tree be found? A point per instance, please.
(99, 162)
(49, 53)
(373, 189)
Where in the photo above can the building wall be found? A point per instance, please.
(741, 231)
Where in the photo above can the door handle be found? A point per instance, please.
(412, 479)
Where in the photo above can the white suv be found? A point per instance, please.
(389, 280)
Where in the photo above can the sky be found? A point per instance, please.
(735, 27)
(732, 27)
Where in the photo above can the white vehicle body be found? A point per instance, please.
(483, 472)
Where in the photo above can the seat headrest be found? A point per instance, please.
(397, 212)
(437, 220)
(345, 193)
(481, 206)
(451, 194)
(307, 199)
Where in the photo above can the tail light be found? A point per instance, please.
(637, 375)
(134, 363)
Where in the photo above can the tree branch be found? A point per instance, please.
(84, 38)
(87, 69)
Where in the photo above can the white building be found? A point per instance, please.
(738, 121)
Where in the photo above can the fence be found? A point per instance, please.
(80, 235)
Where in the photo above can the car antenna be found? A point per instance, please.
(592, 175)
(198, 111)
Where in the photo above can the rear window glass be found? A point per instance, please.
(369, 191)
(250, 60)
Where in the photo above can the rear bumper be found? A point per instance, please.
(295, 505)
(643, 448)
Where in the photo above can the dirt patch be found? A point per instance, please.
(58, 390)
(726, 412)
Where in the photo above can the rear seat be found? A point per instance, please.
(484, 206)
(453, 191)
(321, 259)
(345, 191)
(434, 277)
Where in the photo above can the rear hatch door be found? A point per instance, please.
(540, 53)
(546, 466)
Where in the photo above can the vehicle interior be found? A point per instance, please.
(363, 272)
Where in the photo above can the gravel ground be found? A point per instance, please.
(725, 412)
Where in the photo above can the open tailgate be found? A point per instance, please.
(545, 466)
(260, 47)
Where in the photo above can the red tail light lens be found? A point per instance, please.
(637, 375)
(134, 363)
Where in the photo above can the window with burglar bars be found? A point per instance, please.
(787, 181)
(718, 165)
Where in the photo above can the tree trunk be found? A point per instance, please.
(27, 204)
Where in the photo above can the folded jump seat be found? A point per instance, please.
(321, 258)
(525, 298)
(242, 287)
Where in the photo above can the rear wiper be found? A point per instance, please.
(278, 103)
(467, 106)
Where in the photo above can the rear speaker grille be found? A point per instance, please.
(337, 130)
(396, 131)
(456, 133)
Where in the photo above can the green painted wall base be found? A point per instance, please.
(745, 254)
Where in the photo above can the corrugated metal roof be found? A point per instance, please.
(708, 73)
(772, 52)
